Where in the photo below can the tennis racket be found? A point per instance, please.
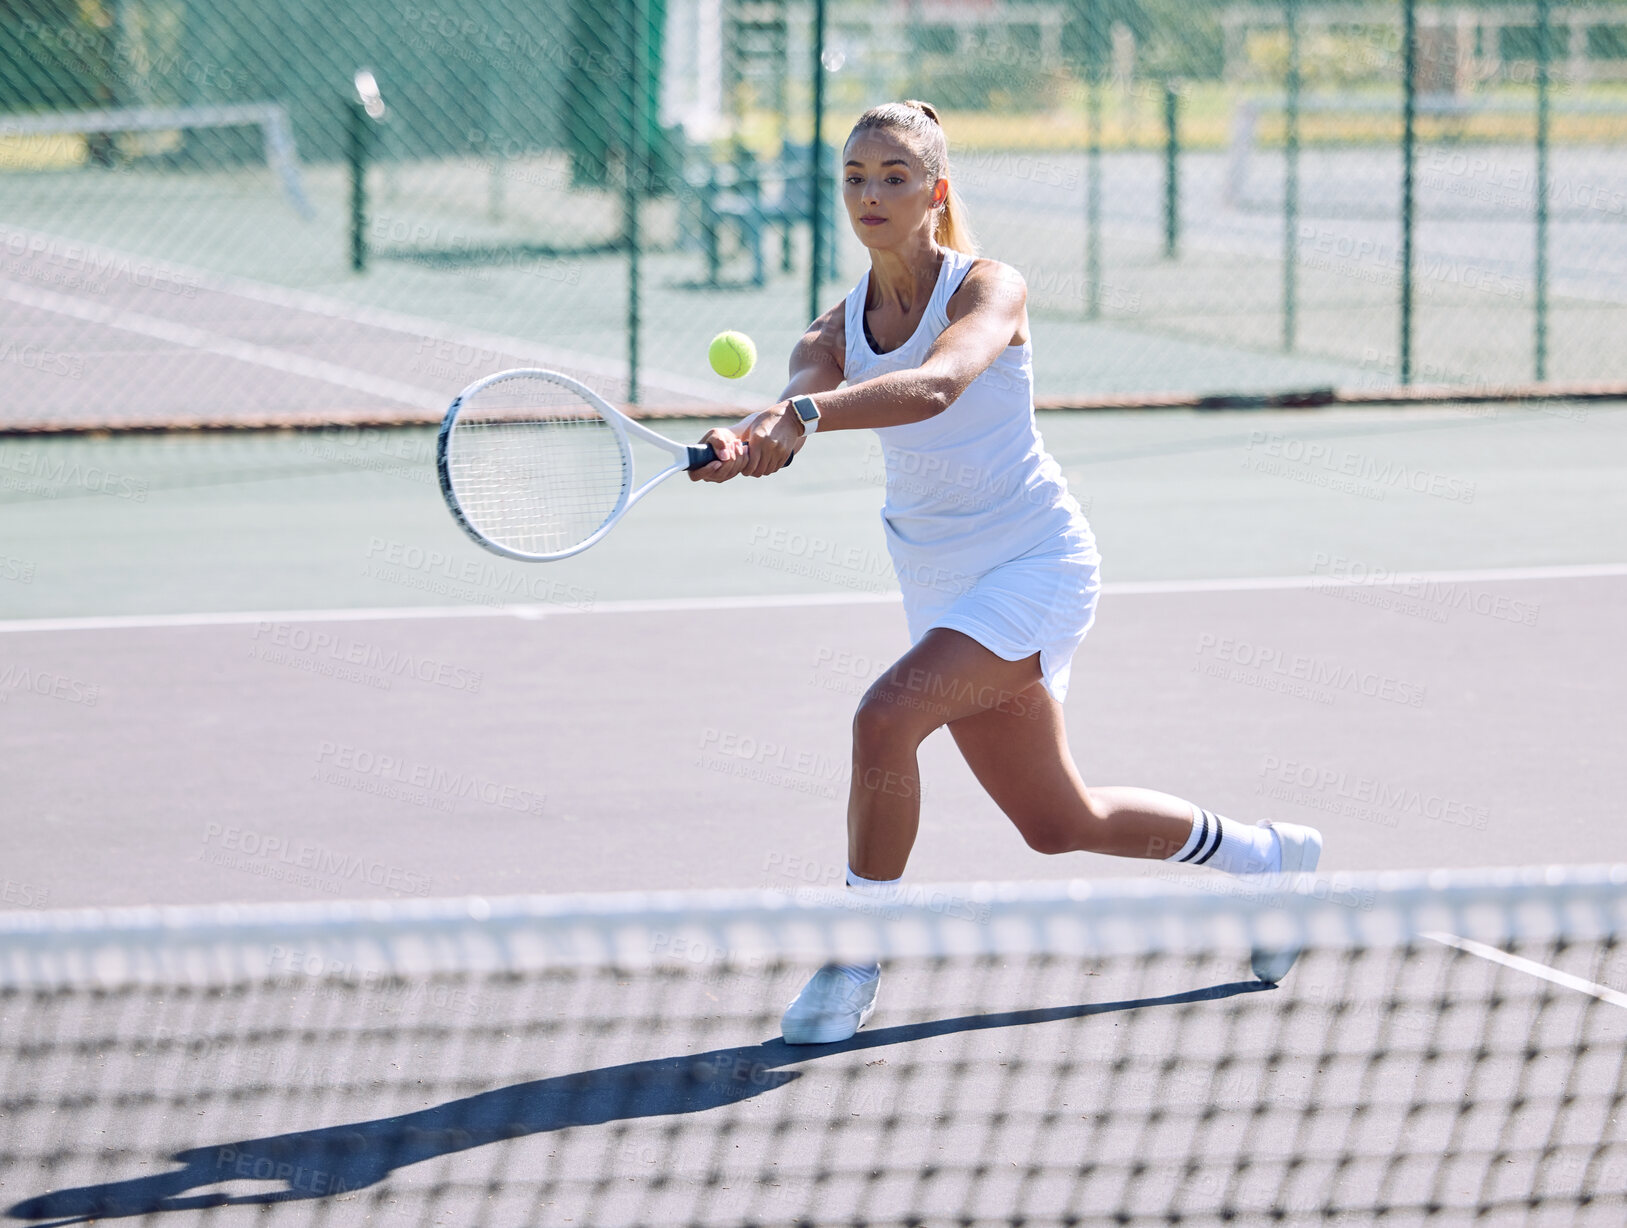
(538, 466)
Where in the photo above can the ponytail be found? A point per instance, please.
(918, 124)
(951, 230)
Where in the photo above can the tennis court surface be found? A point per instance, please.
(351, 875)
(262, 668)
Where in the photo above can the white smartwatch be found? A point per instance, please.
(808, 412)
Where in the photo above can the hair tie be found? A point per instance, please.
(925, 108)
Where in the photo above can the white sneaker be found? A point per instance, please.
(831, 1007)
(1301, 850)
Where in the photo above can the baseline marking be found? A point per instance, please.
(284, 361)
(1492, 575)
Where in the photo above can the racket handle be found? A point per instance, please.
(701, 455)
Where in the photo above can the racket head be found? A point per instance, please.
(534, 465)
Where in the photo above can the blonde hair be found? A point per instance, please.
(917, 124)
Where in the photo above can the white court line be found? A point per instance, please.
(1520, 964)
(478, 341)
(769, 602)
(1383, 579)
(284, 361)
(530, 613)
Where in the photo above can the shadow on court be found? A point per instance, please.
(339, 1159)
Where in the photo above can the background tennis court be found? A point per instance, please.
(256, 666)
(1237, 199)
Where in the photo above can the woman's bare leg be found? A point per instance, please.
(944, 678)
(1010, 731)
(1024, 764)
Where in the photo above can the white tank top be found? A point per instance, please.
(972, 487)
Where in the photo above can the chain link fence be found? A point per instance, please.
(298, 212)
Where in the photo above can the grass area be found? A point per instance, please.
(1206, 114)
(1133, 119)
(41, 152)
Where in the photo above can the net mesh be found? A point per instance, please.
(1042, 1055)
(535, 466)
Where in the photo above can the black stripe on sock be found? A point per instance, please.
(1219, 831)
(1203, 837)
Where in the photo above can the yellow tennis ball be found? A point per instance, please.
(732, 354)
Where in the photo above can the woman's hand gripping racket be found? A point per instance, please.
(538, 466)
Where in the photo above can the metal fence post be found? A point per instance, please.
(364, 106)
(356, 160)
(816, 185)
(1172, 159)
(498, 138)
(1093, 199)
(1409, 116)
(1544, 48)
(633, 171)
(1290, 186)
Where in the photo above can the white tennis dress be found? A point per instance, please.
(983, 534)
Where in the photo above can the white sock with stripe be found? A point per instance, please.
(1229, 846)
(880, 889)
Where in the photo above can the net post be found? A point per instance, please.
(277, 139)
(1544, 45)
(816, 189)
(1409, 116)
(1172, 158)
(1290, 187)
(364, 107)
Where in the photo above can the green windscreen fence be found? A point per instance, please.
(1204, 200)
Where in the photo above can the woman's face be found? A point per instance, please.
(888, 195)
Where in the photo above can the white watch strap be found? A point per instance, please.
(809, 425)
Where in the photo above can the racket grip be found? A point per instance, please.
(701, 455)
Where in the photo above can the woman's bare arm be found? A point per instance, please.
(818, 358)
(816, 366)
(987, 314)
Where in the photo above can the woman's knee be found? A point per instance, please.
(1052, 839)
(1072, 830)
(891, 717)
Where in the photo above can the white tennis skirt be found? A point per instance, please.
(1043, 601)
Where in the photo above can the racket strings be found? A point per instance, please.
(535, 467)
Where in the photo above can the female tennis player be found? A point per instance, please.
(997, 563)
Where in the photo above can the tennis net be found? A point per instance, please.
(1446, 1051)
